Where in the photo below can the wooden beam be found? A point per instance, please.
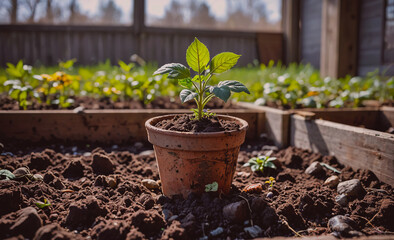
(139, 16)
(269, 47)
(339, 38)
(291, 29)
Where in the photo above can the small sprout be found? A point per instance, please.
(261, 162)
(270, 181)
(212, 187)
(44, 204)
(331, 168)
(6, 175)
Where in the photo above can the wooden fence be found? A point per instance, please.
(91, 44)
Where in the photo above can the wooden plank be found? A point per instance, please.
(291, 27)
(276, 123)
(104, 126)
(352, 146)
(339, 38)
(386, 118)
(269, 47)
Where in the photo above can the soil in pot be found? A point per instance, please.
(85, 201)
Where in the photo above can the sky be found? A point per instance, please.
(156, 8)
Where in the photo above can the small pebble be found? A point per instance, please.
(270, 195)
(38, 177)
(172, 218)
(74, 149)
(217, 232)
(87, 154)
(314, 169)
(332, 181)
(146, 153)
(150, 184)
(236, 212)
(341, 200)
(351, 188)
(114, 147)
(79, 109)
(167, 214)
(7, 154)
(254, 231)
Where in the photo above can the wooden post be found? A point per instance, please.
(291, 29)
(139, 16)
(339, 38)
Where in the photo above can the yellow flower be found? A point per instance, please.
(312, 93)
(271, 180)
(46, 77)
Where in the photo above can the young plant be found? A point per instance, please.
(270, 181)
(197, 87)
(261, 162)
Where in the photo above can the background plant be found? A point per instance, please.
(261, 162)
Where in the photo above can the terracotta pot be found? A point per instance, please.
(189, 161)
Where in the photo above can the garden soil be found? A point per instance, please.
(98, 194)
(6, 103)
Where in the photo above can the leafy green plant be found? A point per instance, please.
(261, 162)
(197, 87)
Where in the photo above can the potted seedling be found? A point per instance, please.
(199, 151)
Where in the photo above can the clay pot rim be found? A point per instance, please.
(148, 125)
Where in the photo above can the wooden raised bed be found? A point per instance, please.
(355, 146)
(101, 126)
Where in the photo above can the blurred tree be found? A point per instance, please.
(249, 13)
(173, 15)
(76, 16)
(109, 12)
(11, 7)
(201, 15)
(31, 5)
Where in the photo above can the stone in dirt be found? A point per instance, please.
(54, 231)
(84, 212)
(102, 164)
(74, 169)
(343, 226)
(351, 188)
(27, 222)
(341, 199)
(254, 231)
(39, 161)
(314, 169)
(236, 212)
(217, 232)
(150, 184)
(332, 181)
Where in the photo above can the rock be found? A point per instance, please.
(146, 153)
(74, 169)
(236, 212)
(79, 110)
(150, 184)
(102, 164)
(87, 154)
(270, 195)
(39, 161)
(114, 147)
(341, 200)
(253, 231)
(332, 181)
(343, 226)
(167, 214)
(147, 201)
(54, 231)
(173, 218)
(38, 177)
(27, 222)
(314, 169)
(217, 232)
(351, 188)
(21, 172)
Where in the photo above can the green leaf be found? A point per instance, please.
(174, 70)
(212, 187)
(222, 92)
(331, 168)
(187, 95)
(234, 86)
(85, 73)
(67, 64)
(254, 168)
(270, 165)
(6, 174)
(223, 62)
(44, 204)
(197, 56)
(14, 92)
(124, 66)
(186, 83)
